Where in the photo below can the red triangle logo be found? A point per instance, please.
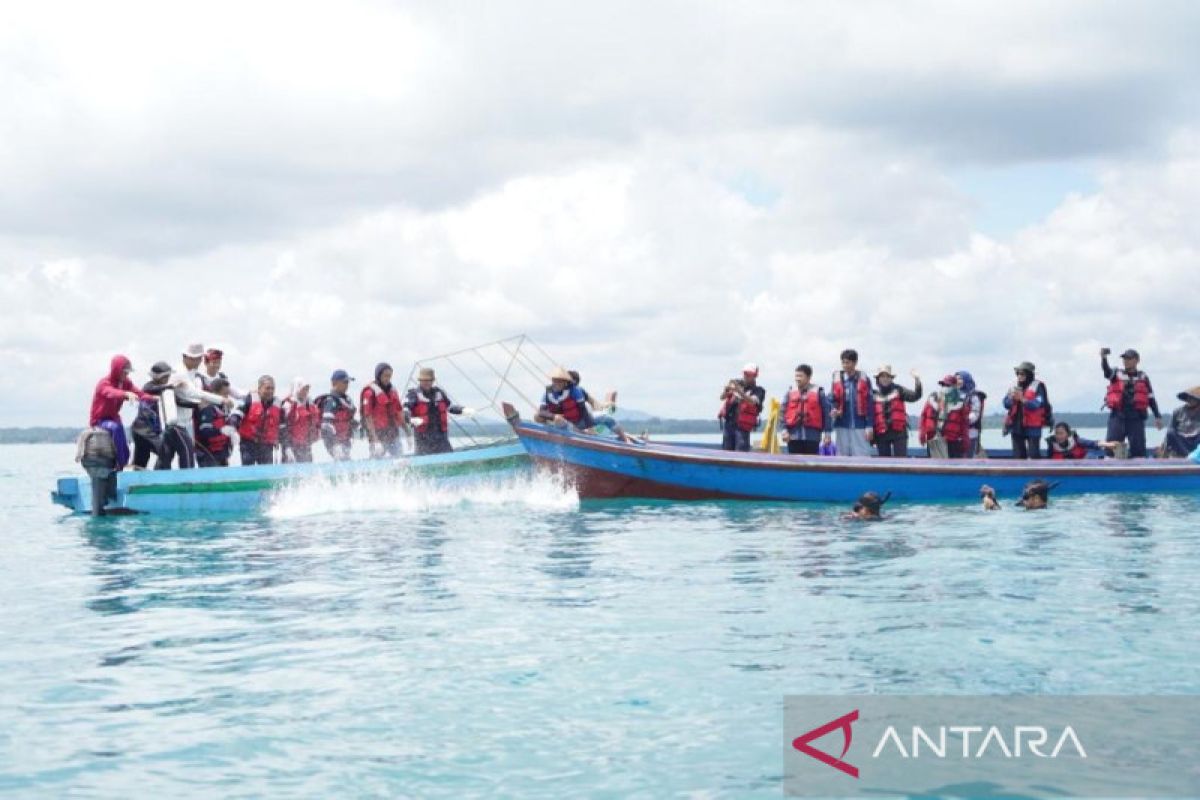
(803, 743)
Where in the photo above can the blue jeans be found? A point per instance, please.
(735, 439)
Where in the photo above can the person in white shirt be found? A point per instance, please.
(178, 440)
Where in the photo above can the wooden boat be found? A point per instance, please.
(601, 467)
(246, 489)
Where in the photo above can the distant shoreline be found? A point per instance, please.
(654, 425)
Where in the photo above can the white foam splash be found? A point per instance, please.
(405, 493)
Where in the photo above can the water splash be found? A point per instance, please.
(406, 493)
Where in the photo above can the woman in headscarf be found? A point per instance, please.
(973, 401)
(112, 391)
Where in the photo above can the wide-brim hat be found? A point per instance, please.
(194, 350)
(560, 374)
(1190, 394)
(885, 369)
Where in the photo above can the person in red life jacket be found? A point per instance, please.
(945, 424)
(1183, 434)
(1066, 444)
(301, 424)
(853, 408)
(891, 414)
(111, 392)
(337, 416)
(1027, 404)
(741, 404)
(1129, 399)
(258, 420)
(383, 414)
(602, 411)
(213, 358)
(807, 417)
(428, 408)
(213, 443)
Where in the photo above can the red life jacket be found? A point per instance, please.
(343, 416)
(956, 428)
(1115, 398)
(746, 415)
(1030, 417)
(890, 412)
(564, 404)
(261, 423)
(1071, 450)
(803, 409)
(424, 407)
(862, 400)
(382, 407)
(303, 421)
(215, 442)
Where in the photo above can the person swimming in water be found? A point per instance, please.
(1036, 495)
(988, 496)
(869, 507)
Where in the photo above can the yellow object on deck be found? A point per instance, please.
(770, 440)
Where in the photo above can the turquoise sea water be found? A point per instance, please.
(510, 641)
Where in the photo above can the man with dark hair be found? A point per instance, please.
(258, 420)
(853, 408)
(807, 422)
(1129, 399)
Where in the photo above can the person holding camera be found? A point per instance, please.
(741, 404)
(1129, 398)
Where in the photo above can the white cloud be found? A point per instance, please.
(654, 202)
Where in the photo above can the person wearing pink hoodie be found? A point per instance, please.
(113, 391)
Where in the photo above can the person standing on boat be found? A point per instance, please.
(974, 401)
(428, 408)
(148, 425)
(891, 414)
(1129, 399)
(111, 392)
(945, 427)
(1183, 434)
(1028, 405)
(301, 424)
(213, 358)
(179, 439)
(213, 440)
(383, 414)
(807, 417)
(337, 416)
(741, 404)
(853, 408)
(258, 420)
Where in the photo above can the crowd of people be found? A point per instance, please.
(861, 417)
(192, 415)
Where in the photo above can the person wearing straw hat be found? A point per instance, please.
(179, 440)
(1183, 432)
(891, 415)
(428, 409)
(1130, 399)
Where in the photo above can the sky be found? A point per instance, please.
(655, 193)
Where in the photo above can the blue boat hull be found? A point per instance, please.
(604, 468)
(248, 489)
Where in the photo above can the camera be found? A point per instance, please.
(1104, 351)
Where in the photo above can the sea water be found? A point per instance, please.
(508, 640)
